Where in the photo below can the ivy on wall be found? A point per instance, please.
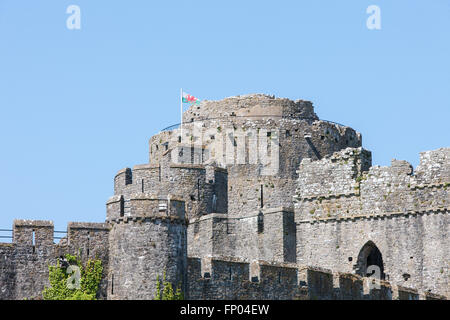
(166, 291)
(71, 280)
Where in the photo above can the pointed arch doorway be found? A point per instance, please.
(369, 258)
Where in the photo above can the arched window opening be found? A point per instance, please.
(370, 259)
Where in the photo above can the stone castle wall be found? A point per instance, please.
(268, 235)
(342, 204)
(24, 263)
(206, 278)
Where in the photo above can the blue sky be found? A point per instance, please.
(78, 105)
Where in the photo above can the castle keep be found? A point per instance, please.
(255, 197)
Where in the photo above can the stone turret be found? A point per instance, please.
(202, 187)
(145, 244)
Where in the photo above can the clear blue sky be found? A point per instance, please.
(78, 105)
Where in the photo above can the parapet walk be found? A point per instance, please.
(230, 278)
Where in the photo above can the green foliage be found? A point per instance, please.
(179, 294)
(166, 292)
(63, 284)
(158, 288)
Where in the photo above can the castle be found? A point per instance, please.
(255, 197)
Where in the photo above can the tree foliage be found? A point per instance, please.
(65, 284)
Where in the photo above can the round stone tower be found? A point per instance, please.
(260, 140)
(147, 240)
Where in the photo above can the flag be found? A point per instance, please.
(187, 98)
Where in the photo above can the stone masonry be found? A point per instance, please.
(255, 197)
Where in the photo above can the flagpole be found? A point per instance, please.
(181, 112)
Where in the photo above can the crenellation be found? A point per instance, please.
(250, 105)
(225, 278)
(347, 286)
(33, 232)
(389, 210)
(24, 262)
(402, 293)
(376, 289)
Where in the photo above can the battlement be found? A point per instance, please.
(336, 174)
(87, 235)
(345, 186)
(351, 204)
(258, 105)
(33, 232)
(202, 187)
(41, 232)
(24, 262)
(144, 205)
(434, 167)
(231, 278)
